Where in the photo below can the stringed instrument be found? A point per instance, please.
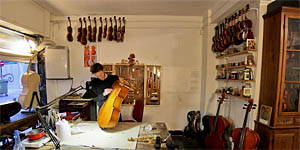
(110, 31)
(248, 25)
(30, 82)
(105, 29)
(108, 116)
(123, 30)
(79, 31)
(94, 35)
(90, 30)
(84, 33)
(115, 36)
(245, 138)
(100, 31)
(69, 29)
(218, 124)
(119, 30)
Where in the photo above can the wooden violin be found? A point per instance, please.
(108, 116)
(110, 31)
(79, 31)
(119, 30)
(69, 29)
(94, 35)
(100, 31)
(245, 138)
(90, 30)
(123, 30)
(115, 36)
(218, 124)
(248, 25)
(84, 33)
(105, 28)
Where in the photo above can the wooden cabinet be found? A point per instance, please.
(280, 80)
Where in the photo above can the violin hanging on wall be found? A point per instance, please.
(119, 30)
(94, 35)
(115, 36)
(90, 30)
(123, 30)
(69, 29)
(100, 31)
(105, 29)
(79, 31)
(84, 33)
(110, 31)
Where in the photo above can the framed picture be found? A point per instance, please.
(265, 114)
(250, 43)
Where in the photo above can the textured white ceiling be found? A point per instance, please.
(130, 7)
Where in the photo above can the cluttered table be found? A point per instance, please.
(126, 135)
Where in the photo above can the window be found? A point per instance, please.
(10, 80)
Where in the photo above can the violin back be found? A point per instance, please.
(108, 116)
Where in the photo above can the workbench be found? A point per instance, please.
(120, 137)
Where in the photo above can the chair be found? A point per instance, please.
(137, 112)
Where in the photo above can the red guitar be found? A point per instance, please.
(245, 138)
(216, 138)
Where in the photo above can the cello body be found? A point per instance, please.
(251, 139)
(216, 140)
(108, 116)
(30, 82)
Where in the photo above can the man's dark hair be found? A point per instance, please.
(96, 67)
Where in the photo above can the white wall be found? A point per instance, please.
(174, 42)
(25, 16)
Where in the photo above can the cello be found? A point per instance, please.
(30, 82)
(108, 116)
(218, 124)
(245, 138)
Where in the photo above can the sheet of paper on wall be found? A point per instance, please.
(94, 137)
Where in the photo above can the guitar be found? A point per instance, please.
(69, 29)
(216, 138)
(100, 31)
(30, 82)
(123, 30)
(245, 138)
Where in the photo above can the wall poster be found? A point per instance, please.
(90, 55)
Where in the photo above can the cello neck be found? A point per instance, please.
(242, 137)
(30, 61)
(217, 114)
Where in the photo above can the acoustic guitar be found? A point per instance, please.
(30, 82)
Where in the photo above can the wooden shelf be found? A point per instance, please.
(236, 80)
(240, 97)
(293, 50)
(293, 82)
(234, 54)
(235, 67)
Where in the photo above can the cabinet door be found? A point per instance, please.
(291, 67)
(283, 141)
